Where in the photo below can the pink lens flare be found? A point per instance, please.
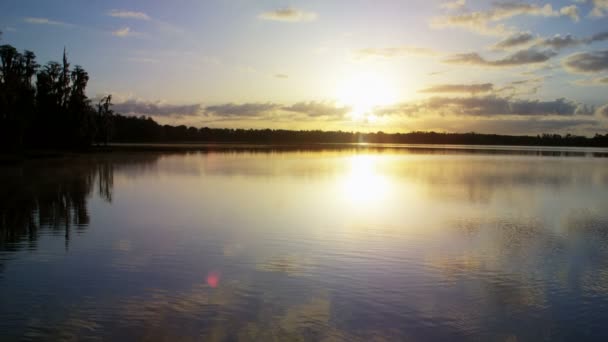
(213, 279)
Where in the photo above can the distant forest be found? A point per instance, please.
(47, 107)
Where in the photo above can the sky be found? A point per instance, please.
(510, 67)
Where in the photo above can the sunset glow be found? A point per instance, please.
(364, 93)
(508, 67)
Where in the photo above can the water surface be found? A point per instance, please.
(329, 244)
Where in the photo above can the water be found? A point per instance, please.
(352, 244)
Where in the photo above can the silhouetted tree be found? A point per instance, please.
(104, 119)
(53, 111)
(16, 93)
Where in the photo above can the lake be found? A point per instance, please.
(360, 243)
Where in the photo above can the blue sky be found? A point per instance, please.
(518, 67)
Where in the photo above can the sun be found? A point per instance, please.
(365, 91)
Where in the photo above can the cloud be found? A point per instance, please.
(316, 109)
(522, 57)
(313, 109)
(162, 26)
(586, 62)
(556, 42)
(522, 87)
(559, 42)
(570, 11)
(128, 14)
(598, 81)
(514, 40)
(399, 51)
(598, 37)
(45, 21)
(241, 110)
(548, 115)
(602, 111)
(533, 125)
(486, 22)
(155, 108)
(600, 8)
(281, 76)
(124, 32)
(459, 88)
(490, 105)
(456, 4)
(291, 15)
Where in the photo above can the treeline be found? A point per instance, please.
(47, 107)
(129, 129)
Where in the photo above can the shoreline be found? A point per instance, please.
(222, 147)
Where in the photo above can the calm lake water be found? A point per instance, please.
(323, 245)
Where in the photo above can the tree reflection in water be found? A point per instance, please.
(52, 195)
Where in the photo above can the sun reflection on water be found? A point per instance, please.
(364, 183)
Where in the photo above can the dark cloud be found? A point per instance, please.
(515, 40)
(533, 126)
(523, 57)
(315, 109)
(490, 105)
(556, 42)
(139, 107)
(459, 88)
(241, 110)
(559, 42)
(599, 37)
(584, 62)
(262, 110)
(522, 87)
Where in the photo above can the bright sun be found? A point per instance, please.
(365, 91)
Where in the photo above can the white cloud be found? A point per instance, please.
(600, 8)
(487, 22)
(128, 14)
(570, 11)
(124, 32)
(453, 5)
(44, 21)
